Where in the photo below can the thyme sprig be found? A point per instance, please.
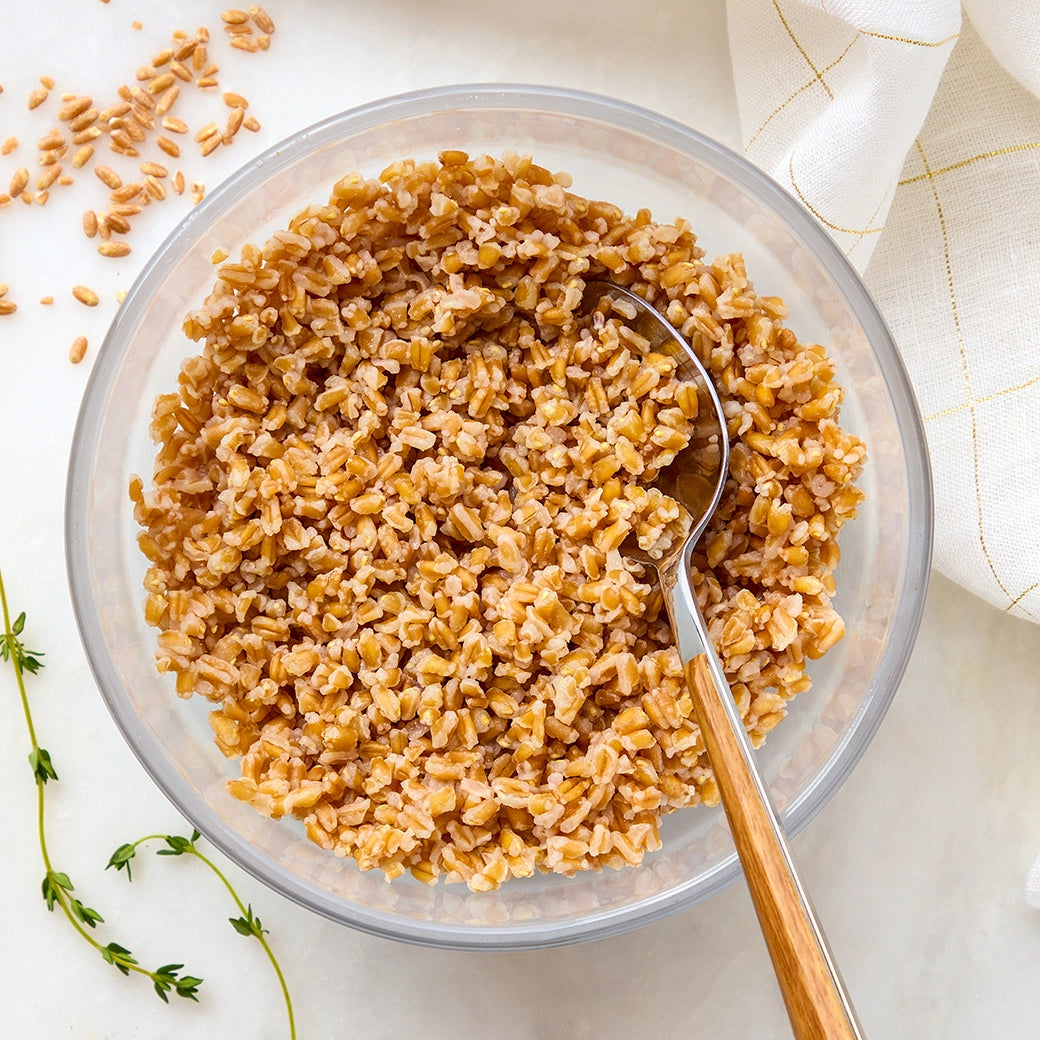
(57, 887)
(247, 924)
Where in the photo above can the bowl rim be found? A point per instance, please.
(561, 101)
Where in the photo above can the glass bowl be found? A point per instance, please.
(615, 152)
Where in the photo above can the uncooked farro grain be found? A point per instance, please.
(114, 249)
(86, 296)
(383, 531)
(19, 179)
(9, 145)
(78, 350)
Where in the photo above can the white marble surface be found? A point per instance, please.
(916, 866)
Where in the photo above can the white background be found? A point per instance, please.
(916, 866)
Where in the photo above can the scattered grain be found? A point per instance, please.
(9, 145)
(211, 144)
(108, 177)
(234, 16)
(262, 20)
(37, 97)
(19, 180)
(234, 121)
(171, 148)
(178, 182)
(155, 188)
(82, 156)
(86, 296)
(245, 43)
(207, 82)
(48, 177)
(8, 307)
(174, 125)
(78, 349)
(153, 169)
(128, 191)
(90, 223)
(48, 82)
(46, 300)
(251, 123)
(161, 83)
(207, 131)
(166, 100)
(74, 108)
(92, 133)
(114, 249)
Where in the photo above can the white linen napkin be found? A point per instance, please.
(913, 135)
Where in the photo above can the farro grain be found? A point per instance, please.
(263, 41)
(9, 145)
(108, 176)
(3, 289)
(86, 296)
(85, 119)
(19, 179)
(78, 350)
(37, 97)
(182, 72)
(210, 144)
(82, 156)
(48, 82)
(234, 16)
(92, 133)
(5, 199)
(48, 177)
(206, 131)
(251, 123)
(171, 148)
(73, 108)
(46, 300)
(178, 182)
(160, 83)
(90, 223)
(66, 179)
(233, 100)
(174, 125)
(113, 249)
(153, 169)
(245, 43)
(166, 100)
(207, 82)
(49, 141)
(8, 307)
(262, 19)
(155, 188)
(126, 192)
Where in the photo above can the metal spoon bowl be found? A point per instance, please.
(817, 1004)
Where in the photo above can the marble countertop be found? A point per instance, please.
(916, 866)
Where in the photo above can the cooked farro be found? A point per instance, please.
(385, 517)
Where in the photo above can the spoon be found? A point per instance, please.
(817, 1004)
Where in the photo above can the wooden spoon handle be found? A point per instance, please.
(812, 989)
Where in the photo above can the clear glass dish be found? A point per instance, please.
(628, 156)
